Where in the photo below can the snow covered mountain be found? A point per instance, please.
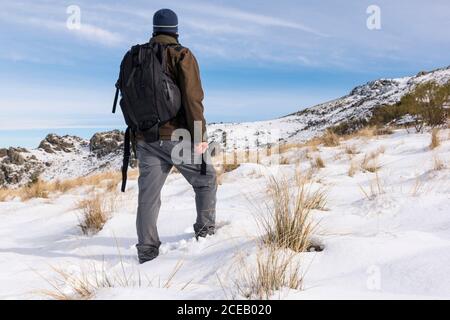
(306, 124)
(68, 156)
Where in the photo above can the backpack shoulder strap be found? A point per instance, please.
(132, 50)
(116, 97)
(126, 158)
(178, 47)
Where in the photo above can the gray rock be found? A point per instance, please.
(17, 168)
(2, 178)
(105, 143)
(54, 143)
(15, 157)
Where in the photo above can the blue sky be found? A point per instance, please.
(259, 59)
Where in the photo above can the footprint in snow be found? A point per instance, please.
(188, 241)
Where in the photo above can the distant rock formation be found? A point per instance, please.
(53, 143)
(105, 143)
(18, 166)
(59, 157)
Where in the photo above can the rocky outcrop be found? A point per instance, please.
(105, 143)
(54, 143)
(18, 166)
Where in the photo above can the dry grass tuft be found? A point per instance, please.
(367, 132)
(370, 165)
(370, 161)
(435, 140)
(96, 211)
(383, 131)
(225, 168)
(330, 139)
(318, 163)
(133, 174)
(112, 185)
(38, 189)
(274, 271)
(288, 223)
(84, 284)
(351, 150)
(285, 147)
(230, 167)
(352, 169)
(72, 287)
(375, 189)
(438, 164)
(417, 187)
(6, 194)
(43, 189)
(284, 160)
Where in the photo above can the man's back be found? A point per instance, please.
(183, 68)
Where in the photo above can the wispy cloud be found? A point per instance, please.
(99, 35)
(86, 31)
(247, 18)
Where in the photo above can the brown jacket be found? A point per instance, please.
(183, 67)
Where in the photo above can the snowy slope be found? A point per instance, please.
(394, 245)
(304, 125)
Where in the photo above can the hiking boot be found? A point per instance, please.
(146, 253)
(204, 232)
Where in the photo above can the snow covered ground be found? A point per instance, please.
(385, 234)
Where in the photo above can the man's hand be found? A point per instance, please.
(200, 148)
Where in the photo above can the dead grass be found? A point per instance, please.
(329, 139)
(314, 200)
(230, 167)
(84, 284)
(6, 194)
(438, 164)
(284, 160)
(370, 162)
(417, 187)
(274, 271)
(435, 140)
(44, 189)
(286, 222)
(352, 169)
(285, 147)
(39, 189)
(318, 163)
(133, 174)
(383, 131)
(95, 212)
(351, 150)
(366, 132)
(225, 168)
(375, 188)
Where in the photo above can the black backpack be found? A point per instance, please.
(149, 96)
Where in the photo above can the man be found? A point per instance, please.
(156, 160)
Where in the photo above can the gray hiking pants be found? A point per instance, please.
(155, 163)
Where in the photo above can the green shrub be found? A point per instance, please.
(428, 104)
